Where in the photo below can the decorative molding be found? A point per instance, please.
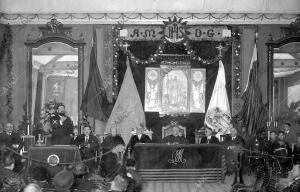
(149, 18)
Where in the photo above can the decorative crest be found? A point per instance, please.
(55, 27)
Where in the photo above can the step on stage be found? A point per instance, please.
(195, 163)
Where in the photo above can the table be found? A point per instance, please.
(192, 162)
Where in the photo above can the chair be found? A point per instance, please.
(168, 129)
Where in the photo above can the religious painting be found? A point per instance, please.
(175, 89)
(152, 80)
(197, 96)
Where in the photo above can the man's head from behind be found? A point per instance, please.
(39, 173)
(32, 187)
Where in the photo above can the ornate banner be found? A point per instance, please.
(175, 31)
(156, 33)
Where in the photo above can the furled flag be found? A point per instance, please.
(128, 111)
(218, 116)
(94, 101)
(253, 110)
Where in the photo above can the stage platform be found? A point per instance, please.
(180, 163)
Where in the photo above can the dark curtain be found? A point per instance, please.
(206, 50)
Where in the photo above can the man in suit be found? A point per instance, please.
(87, 143)
(74, 136)
(290, 135)
(209, 138)
(62, 127)
(234, 154)
(10, 138)
(138, 138)
(175, 138)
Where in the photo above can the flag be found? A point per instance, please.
(253, 110)
(94, 102)
(128, 111)
(218, 116)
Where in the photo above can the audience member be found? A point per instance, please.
(13, 183)
(209, 138)
(63, 181)
(32, 187)
(7, 167)
(80, 171)
(40, 176)
(290, 135)
(282, 150)
(292, 183)
(12, 139)
(271, 142)
(112, 146)
(134, 179)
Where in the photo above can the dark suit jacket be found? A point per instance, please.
(213, 140)
(83, 146)
(61, 132)
(134, 140)
(9, 140)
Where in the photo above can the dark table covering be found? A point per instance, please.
(66, 154)
(163, 156)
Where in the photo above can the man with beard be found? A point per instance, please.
(62, 127)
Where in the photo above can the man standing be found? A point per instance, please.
(209, 138)
(234, 154)
(62, 127)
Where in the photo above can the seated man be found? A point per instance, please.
(88, 144)
(7, 167)
(209, 138)
(175, 138)
(138, 138)
(283, 149)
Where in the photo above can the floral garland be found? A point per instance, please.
(5, 50)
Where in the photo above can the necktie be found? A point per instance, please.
(86, 139)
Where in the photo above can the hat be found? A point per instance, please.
(130, 163)
(63, 180)
(280, 131)
(39, 173)
(80, 169)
